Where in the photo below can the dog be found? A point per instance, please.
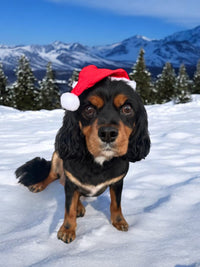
(93, 149)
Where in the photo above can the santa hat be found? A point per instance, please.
(88, 77)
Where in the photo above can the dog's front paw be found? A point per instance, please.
(66, 235)
(120, 223)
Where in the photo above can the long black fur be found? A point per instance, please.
(139, 141)
(33, 171)
(70, 142)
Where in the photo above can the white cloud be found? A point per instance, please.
(185, 12)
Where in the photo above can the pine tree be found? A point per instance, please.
(49, 97)
(25, 92)
(165, 84)
(73, 78)
(10, 96)
(3, 91)
(182, 94)
(196, 79)
(153, 95)
(142, 77)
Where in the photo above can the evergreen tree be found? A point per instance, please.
(73, 78)
(165, 84)
(49, 97)
(3, 91)
(182, 94)
(142, 78)
(25, 92)
(196, 79)
(6, 92)
(10, 100)
(153, 95)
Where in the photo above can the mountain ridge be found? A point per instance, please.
(180, 47)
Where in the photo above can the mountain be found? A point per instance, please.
(63, 56)
(181, 47)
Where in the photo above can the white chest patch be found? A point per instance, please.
(100, 160)
(105, 155)
(92, 189)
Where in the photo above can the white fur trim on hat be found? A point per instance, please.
(74, 83)
(131, 83)
(70, 101)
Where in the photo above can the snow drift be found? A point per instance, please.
(160, 200)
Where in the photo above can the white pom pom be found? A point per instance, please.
(70, 101)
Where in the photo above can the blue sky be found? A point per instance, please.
(93, 22)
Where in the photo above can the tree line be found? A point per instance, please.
(26, 94)
(167, 86)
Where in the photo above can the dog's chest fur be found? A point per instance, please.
(91, 178)
(89, 189)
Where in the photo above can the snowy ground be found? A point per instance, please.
(161, 198)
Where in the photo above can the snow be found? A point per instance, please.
(160, 199)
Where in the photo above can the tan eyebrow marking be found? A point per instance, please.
(97, 101)
(119, 100)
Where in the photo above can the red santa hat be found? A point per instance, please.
(88, 77)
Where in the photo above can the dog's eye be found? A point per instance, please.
(89, 112)
(127, 110)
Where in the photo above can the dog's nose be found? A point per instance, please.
(108, 134)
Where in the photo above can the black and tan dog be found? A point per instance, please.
(93, 149)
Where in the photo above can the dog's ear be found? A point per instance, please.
(139, 141)
(70, 142)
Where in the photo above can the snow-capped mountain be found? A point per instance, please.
(63, 56)
(181, 47)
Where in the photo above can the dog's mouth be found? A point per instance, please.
(107, 152)
(108, 147)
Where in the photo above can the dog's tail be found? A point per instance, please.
(33, 171)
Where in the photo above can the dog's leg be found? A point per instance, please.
(67, 231)
(117, 217)
(80, 209)
(55, 173)
(35, 188)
